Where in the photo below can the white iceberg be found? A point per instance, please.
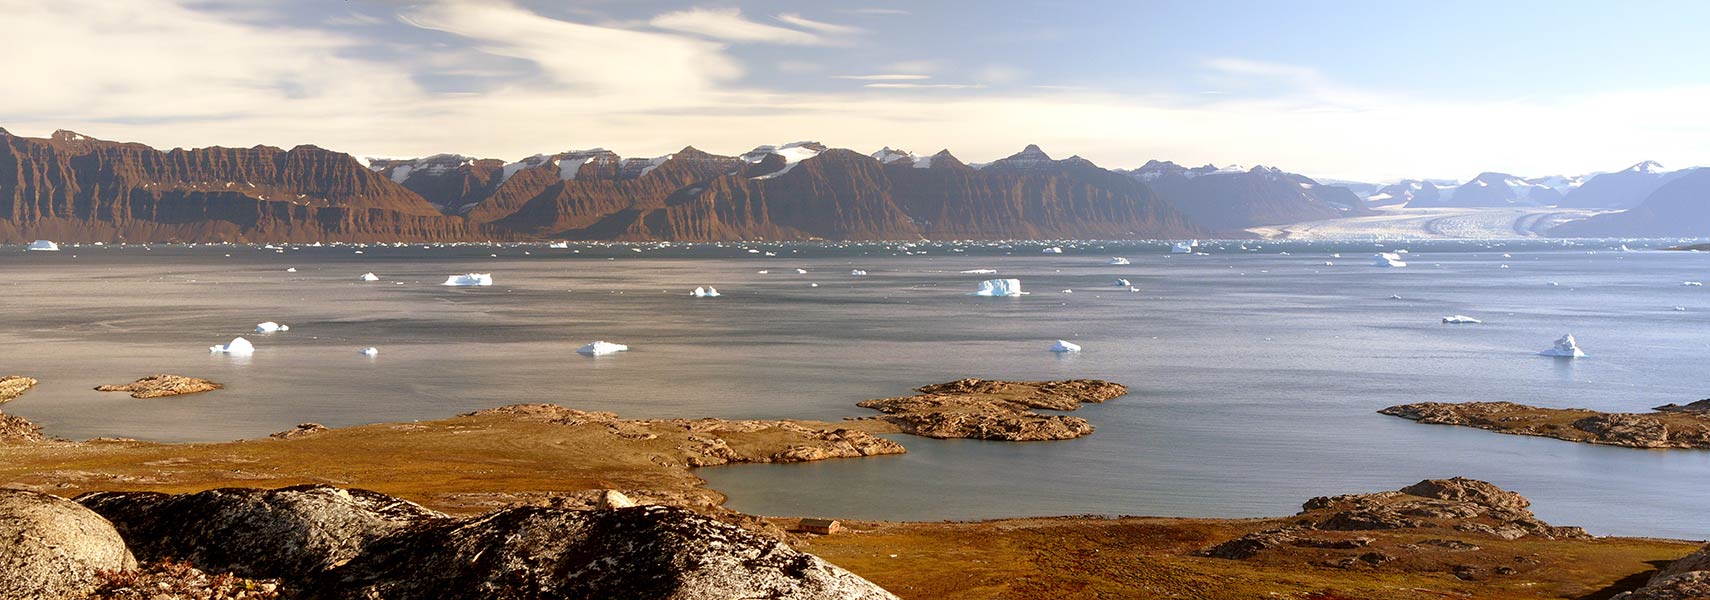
(1000, 287)
(43, 246)
(1565, 347)
(857, 272)
(559, 245)
(801, 271)
(601, 348)
(1387, 259)
(705, 292)
(1183, 247)
(470, 279)
(1063, 346)
(270, 327)
(1117, 260)
(1123, 283)
(1692, 283)
(1460, 320)
(1052, 250)
(369, 351)
(370, 277)
(291, 270)
(979, 272)
(238, 347)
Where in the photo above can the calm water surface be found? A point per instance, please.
(1255, 374)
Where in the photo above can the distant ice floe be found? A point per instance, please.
(1000, 287)
(370, 277)
(291, 270)
(801, 271)
(601, 348)
(705, 292)
(1052, 250)
(979, 272)
(1117, 260)
(1123, 283)
(1566, 347)
(1460, 320)
(857, 272)
(559, 245)
(43, 246)
(237, 347)
(270, 327)
(1692, 283)
(369, 351)
(470, 279)
(1064, 346)
(1183, 247)
(1387, 259)
(762, 272)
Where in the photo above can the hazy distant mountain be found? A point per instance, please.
(1621, 189)
(1679, 208)
(1405, 192)
(1233, 198)
(1499, 190)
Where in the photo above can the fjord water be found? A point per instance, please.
(1254, 375)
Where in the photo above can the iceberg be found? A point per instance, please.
(1117, 260)
(370, 277)
(369, 351)
(705, 292)
(237, 347)
(1123, 283)
(857, 272)
(1692, 283)
(1052, 250)
(1000, 287)
(1063, 346)
(559, 245)
(470, 279)
(801, 271)
(601, 348)
(1387, 259)
(270, 327)
(1183, 247)
(291, 270)
(979, 272)
(1565, 347)
(43, 246)
(1460, 320)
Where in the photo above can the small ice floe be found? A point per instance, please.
(1117, 260)
(1387, 259)
(1183, 247)
(1395, 296)
(1504, 266)
(1000, 287)
(1506, 255)
(369, 351)
(705, 292)
(558, 245)
(369, 277)
(762, 272)
(1068, 291)
(43, 246)
(1566, 347)
(801, 271)
(1680, 308)
(237, 347)
(857, 272)
(291, 270)
(1460, 320)
(270, 327)
(1329, 264)
(1123, 283)
(1693, 283)
(813, 285)
(978, 271)
(1065, 346)
(601, 348)
(1052, 250)
(470, 279)
(1555, 284)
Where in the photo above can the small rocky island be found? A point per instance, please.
(160, 386)
(996, 410)
(1671, 426)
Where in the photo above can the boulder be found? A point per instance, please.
(287, 533)
(51, 547)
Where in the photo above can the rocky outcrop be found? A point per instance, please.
(1685, 579)
(301, 430)
(996, 410)
(169, 579)
(12, 386)
(51, 547)
(284, 533)
(1670, 427)
(1459, 503)
(15, 428)
(158, 386)
(324, 542)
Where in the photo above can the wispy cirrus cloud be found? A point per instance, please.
(729, 25)
(884, 77)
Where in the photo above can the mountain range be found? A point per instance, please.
(72, 187)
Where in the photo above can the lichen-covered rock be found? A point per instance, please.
(649, 552)
(1693, 585)
(51, 547)
(1459, 503)
(160, 386)
(287, 533)
(301, 430)
(14, 428)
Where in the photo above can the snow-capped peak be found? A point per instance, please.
(1649, 167)
(888, 155)
(793, 153)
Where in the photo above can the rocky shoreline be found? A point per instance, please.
(1671, 426)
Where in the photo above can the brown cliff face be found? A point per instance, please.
(73, 188)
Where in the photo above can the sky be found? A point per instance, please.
(1350, 89)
